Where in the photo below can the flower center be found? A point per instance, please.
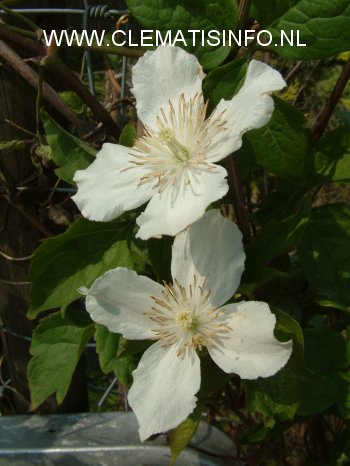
(166, 135)
(185, 317)
(178, 146)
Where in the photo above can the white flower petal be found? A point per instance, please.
(250, 108)
(172, 210)
(110, 185)
(119, 299)
(164, 388)
(162, 76)
(212, 247)
(250, 348)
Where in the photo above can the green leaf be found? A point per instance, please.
(56, 348)
(325, 351)
(325, 250)
(132, 347)
(332, 157)
(76, 258)
(267, 14)
(128, 356)
(124, 368)
(73, 101)
(185, 15)
(281, 146)
(224, 82)
(67, 151)
(341, 390)
(274, 239)
(277, 397)
(117, 354)
(106, 347)
(328, 299)
(323, 27)
(180, 437)
(128, 135)
(325, 354)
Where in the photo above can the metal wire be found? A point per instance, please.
(98, 11)
(87, 52)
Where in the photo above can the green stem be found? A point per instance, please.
(38, 104)
(20, 31)
(122, 51)
(23, 19)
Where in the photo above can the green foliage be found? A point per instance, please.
(275, 10)
(12, 145)
(274, 239)
(325, 250)
(67, 151)
(76, 258)
(332, 157)
(128, 135)
(323, 27)
(181, 436)
(224, 81)
(327, 355)
(106, 347)
(281, 146)
(57, 344)
(117, 354)
(73, 101)
(171, 15)
(277, 398)
(128, 356)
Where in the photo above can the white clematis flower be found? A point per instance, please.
(173, 165)
(187, 316)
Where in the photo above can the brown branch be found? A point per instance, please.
(9, 34)
(328, 109)
(237, 195)
(52, 61)
(31, 77)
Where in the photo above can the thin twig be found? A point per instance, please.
(329, 108)
(238, 199)
(20, 128)
(15, 259)
(10, 282)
